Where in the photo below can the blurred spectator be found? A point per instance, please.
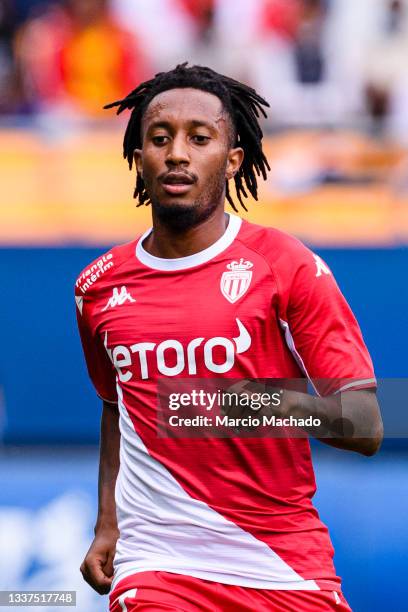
(289, 62)
(173, 31)
(256, 43)
(165, 28)
(281, 17)
(10, 91)
(204, 49)
(308, 50)
(351, 30)
(72, 56)
(75, 55)
(386, 75)
(202, 11)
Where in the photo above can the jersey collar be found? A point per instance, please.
(182, 263)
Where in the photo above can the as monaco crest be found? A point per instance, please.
(235, 284)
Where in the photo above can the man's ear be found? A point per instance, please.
(235, 159)
(137, 156)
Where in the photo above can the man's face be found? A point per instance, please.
(186, 154)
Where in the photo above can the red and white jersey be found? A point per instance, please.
(255, 304)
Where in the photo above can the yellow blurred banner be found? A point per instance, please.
(326, 188)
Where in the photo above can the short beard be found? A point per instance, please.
(179, 217)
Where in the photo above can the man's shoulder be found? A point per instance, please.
(103, 267)
(276, 246)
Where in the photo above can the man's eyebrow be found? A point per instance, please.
(158, 124)
(192, 123)
(203, 123)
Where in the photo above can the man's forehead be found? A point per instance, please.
(186, 103)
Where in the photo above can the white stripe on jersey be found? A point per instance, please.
(164, 528)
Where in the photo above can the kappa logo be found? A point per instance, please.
(321, 267)
(235, 283)
(118, 298)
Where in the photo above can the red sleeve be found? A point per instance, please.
(100, 367)
(320, 328)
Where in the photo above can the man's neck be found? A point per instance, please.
(164, 242)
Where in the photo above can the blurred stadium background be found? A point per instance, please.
(336, 75)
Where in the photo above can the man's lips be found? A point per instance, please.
(176, 189)
(177, 183)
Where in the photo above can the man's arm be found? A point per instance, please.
(361, 409)
(97, 567)
(326, 342)
(352, 418)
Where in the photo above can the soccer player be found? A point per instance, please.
(212, 523)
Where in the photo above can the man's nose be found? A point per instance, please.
(178, 152)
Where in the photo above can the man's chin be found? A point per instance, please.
(181, 215)
(175, 203)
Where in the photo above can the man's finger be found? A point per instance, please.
(108, 567)
(230, 407)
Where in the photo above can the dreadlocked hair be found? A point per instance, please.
(240, 101)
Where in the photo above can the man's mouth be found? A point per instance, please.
(177, 183)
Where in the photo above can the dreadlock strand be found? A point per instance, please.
(229, 198)
(240, 190)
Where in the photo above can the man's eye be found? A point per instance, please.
(200, 139)
(160, 140)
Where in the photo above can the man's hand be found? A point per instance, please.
(275, 401)
(97, 567)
